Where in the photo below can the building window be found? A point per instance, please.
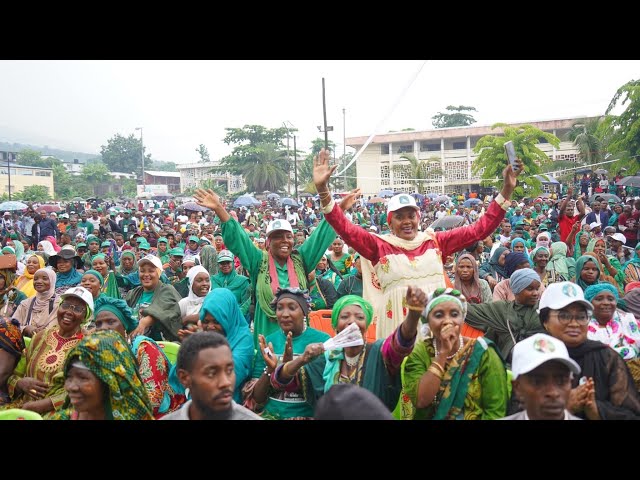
(429, 147)
(43, 174)
(542, 140)
(405, 148)
(459, 145)
(384, 149)
(26, 172)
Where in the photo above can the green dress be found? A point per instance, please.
(289, 404)
(239, 286)
(474, 386)
(256, 262)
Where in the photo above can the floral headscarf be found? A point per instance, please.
(108, 357)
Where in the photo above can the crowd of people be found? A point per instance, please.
(529, 309)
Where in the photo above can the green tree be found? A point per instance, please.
(122, 154)
(204, 154)
(624, 129)
(588, 137)
(95, 174)
(248, 141)
(267, 171)
(129, 189)
(32, 158)
(161, 166)
(455, 119)
(492, 157)
(35, 193)
(419, 170)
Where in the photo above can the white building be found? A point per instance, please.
(192, 175)
(121, 175)
(448, 150)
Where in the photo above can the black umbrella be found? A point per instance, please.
(633, 181)
(604, 196)
(448, 222)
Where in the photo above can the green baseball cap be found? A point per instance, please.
(81, 244)
(177, 252)
(163, 240)
(193, 238)
(105, 244)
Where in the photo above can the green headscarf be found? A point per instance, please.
(135, 265)
(441, 295)
(558, 260)
(351, 300)
(580, 265)
(119, 308)
(107, 355)
(96, 274)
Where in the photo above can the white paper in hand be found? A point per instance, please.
(349, 337)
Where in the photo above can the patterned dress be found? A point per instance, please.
(44, 359)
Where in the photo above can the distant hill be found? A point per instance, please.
(61, 154)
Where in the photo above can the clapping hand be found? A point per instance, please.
(269, 356)
(288, 349)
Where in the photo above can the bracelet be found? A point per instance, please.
(437, 366)
(435, 372)
(503, 202)
(266, 371)
(415, 309)
(329, 208)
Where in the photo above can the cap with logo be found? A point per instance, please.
(559, 295)
(225, 256)
(537, 349)
(81, 293)
(400, 201)
(152, 259)
(278, 224)
(193, 238)
(593, 225)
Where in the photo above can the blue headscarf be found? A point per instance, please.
(522, 278)
(594, 290)
(70, 278)
(221, 303)
(518, 240)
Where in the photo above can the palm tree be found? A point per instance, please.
(587, 136)
(419, 170)
(268, 169)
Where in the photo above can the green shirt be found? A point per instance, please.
(86, 225)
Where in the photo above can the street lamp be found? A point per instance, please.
(142, 157)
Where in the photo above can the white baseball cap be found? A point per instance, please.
(278, 224)
(400, 201)
(593, 225)
(537, 349)
(81, 293)
(559, 295)
(618, 236)
(152, 259)
(373, 228)
(7, 213)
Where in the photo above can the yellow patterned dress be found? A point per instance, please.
(44, 361)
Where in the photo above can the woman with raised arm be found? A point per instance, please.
(279, 265)
(407, 256)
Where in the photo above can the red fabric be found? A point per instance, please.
(566, 223)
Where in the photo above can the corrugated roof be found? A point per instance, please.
(157, 173)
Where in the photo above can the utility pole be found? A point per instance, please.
(295, 168)
(288, 161)
(142, 156)
(9, 173)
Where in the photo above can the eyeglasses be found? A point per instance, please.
(76, 308)
(565, 318)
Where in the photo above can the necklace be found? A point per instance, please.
(352, 361)
(450, 356)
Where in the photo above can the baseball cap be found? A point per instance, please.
(278, 224)
(152, 259)
(537, 349)
(225, 256)
(261, 240)
(176, 252)
(163, 240)
(6, 213)
(400, 201)
(620, 237)
(559, 295)
(593, 225)
(81, 293)
(193, 238)
(144, 246)
(373, 228)
(105, 244)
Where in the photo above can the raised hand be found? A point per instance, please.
(416, 299)
(348, 201)
(321, 169)
(511, 178)
(268, 354)
(207, 198)
(288, 348)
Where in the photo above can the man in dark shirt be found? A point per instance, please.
(43, 228)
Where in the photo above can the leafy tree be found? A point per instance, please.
(129, 189)
(492, 157)
(32, 158)
(624, 129)
(122, 154)
(268, 170)
(95, 174)
(247, 141)
(455, 119)
(204, 154)
(588, 137)
(35, 193)
(161, 166)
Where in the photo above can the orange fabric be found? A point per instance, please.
(470, 332)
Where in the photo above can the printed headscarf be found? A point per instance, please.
(351, 300)
(107, 355)
(11, 337)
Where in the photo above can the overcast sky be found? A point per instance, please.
(79, 105)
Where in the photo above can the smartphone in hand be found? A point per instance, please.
(510, 150)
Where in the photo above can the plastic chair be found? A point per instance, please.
(470, 332)
(19, 414)
(370, 336)
(170, 349)
(321, 320)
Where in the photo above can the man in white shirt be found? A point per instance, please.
(441, 213)
(542, 373)
(95, 221)
(205, 367)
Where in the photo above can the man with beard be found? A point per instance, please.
(205, 367)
